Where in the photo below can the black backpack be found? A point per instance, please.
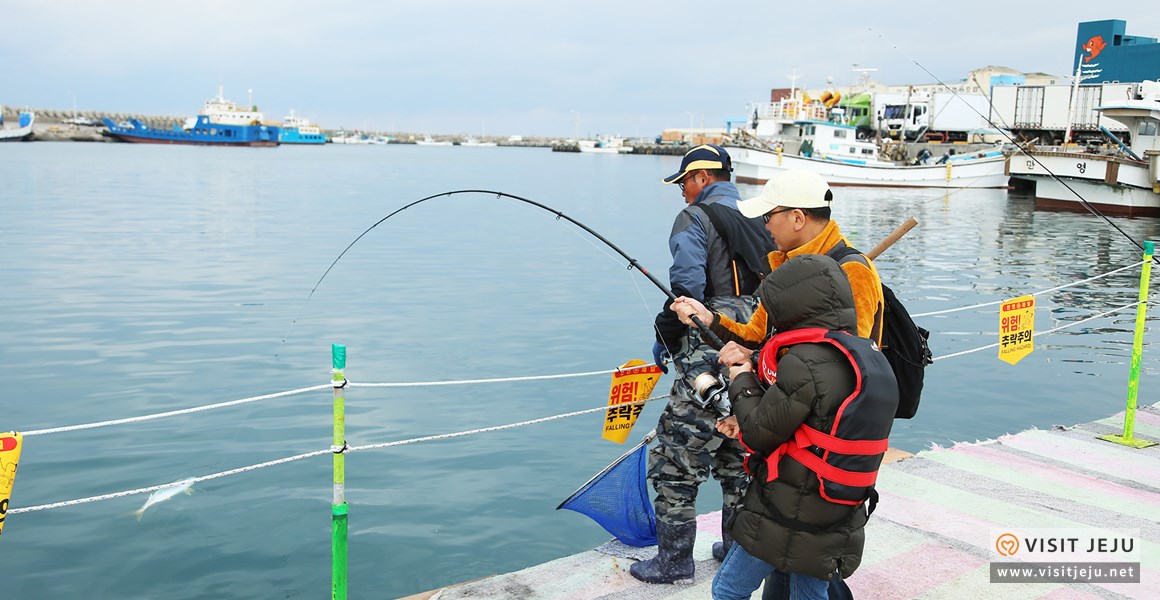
(903, 342)
(749, 246)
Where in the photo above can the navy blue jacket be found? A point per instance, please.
(701, 258)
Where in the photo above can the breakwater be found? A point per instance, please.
(53, 125)
(663, 149)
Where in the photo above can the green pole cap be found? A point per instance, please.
(338, 356)
(1149, 247)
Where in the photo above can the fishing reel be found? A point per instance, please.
(710, 390)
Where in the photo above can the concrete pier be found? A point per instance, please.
(933, 534)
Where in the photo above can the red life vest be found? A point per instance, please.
(846, 458)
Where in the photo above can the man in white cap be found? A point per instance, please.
(795, 206)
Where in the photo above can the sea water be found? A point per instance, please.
(141, 279)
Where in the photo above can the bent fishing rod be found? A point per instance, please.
(632, 262)
(1003, 131)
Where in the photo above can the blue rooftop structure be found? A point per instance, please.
(1109, 55)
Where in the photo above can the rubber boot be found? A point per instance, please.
(720, 549)
(674, 560)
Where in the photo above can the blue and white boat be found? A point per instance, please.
(21, 131)
(220, 123)
(297, 130)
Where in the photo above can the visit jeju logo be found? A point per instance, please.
(1007, 544)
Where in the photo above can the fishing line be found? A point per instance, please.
(632, 262)
(1003, 132)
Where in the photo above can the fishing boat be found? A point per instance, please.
(347, 137)
(428, 141)
(297, 130)
(220, 123)
(604, 145)
(834, 151)
(1122, 179)
(19, 132)
(471, 141)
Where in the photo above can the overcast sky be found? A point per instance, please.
(502, 67)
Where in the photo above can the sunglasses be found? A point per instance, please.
(766, 216)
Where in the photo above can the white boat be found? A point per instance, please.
(833, 151)
(428, 141)
(20, 131)
(349, 137)
(471, 141)
(604, 145)
(1125, 180)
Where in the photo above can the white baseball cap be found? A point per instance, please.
(790, 189)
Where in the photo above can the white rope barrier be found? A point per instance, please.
(500, 427)
(474, 381)
(1054, 289)
(154, 488)
(185, 411)
(297, 457)
(173, 413)
(1041, 333)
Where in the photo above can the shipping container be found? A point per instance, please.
(1040, 113)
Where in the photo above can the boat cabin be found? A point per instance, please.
(838, 142)
(1141, 115)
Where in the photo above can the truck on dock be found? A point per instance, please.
(933, 117)
(1039, 113)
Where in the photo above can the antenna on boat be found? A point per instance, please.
(793, 83)
(863, 75)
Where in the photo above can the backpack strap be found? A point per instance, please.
(749, 244)
(844, 254)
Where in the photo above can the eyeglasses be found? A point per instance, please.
(685, 179)
(766, 216)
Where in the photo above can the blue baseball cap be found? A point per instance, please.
(706, 156)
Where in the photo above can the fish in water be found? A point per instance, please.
(165, 493)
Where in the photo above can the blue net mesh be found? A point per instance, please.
(617, 499)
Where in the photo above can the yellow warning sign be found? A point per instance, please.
(9, 457)
(1016, 329)
(634, 380)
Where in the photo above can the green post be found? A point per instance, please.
(1137, 352)
(338, 508)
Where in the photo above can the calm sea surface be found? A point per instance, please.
(141, 279)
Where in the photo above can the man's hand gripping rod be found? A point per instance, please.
(710, 337)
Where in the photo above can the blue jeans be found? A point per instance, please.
(741, 574)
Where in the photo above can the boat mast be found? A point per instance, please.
(1074, 93)
(793, 90)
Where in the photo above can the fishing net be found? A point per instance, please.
(617, 499)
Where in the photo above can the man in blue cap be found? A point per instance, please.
(719, 257)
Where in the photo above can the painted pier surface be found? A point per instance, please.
(932, 533)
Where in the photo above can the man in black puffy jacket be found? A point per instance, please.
(803, 525)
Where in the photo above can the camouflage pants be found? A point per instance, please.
(688, 446)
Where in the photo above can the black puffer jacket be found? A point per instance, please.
(812, 381)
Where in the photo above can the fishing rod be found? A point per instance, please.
(1002, 130)
(632, 262)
